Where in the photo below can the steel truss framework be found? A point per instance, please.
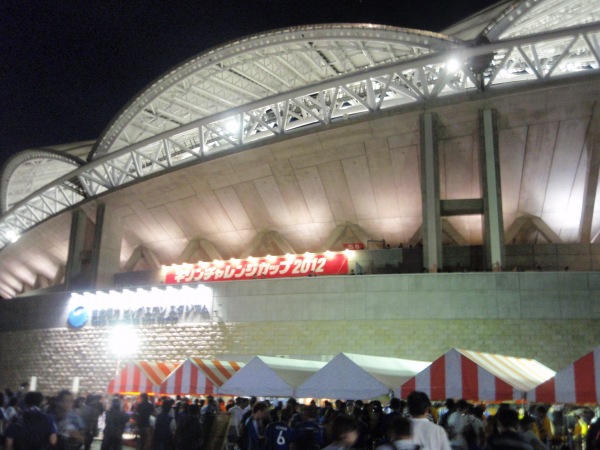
(532, 59)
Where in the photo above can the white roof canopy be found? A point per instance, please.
(267, 376)
(351, 376)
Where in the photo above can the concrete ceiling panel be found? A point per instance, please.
(192, 217)
(290, 191)
(314, 193)
(565, 163)
(336, 187)
(343, 137)
(297, 147)
(171, 229)
(358, 179)
(382, 178)
(254, 205)
(541, 140)
(512, 143)
(325, 156)
(407, 179)
(234, 208)
(273, 201)
(213, 207)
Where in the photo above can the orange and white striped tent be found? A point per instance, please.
(197, 376)
(140, 376)
(478, 376)
(577, 383)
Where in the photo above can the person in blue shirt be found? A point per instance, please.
(279, 435)
(254, 430)
(35, 431)
(309, 434)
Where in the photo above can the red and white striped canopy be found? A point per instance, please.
(478, 376)
(577, 383)
(140, 376)
(197, 376)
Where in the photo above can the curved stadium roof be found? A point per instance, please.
(262, 66)
(277, 82)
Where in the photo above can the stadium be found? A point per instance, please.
(318, 189)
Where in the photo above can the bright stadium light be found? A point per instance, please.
(123, 342)
(452, 65)
(232, 126)
(12, 236)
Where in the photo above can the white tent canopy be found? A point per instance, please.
(268, 376)
(352, 376)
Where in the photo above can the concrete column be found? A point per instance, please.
(492, 194)
(106, 255)
(77, 270)
(430, 194)
(592, 153)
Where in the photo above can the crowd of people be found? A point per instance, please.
(31, 421)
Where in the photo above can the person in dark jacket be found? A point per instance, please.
(189, 430)
(164, 428)
(115, 422)
(508, 437)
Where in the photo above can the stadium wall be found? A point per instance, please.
(549, 316)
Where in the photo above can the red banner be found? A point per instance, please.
(247, 269)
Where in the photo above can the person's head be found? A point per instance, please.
(399, 428)
(64, 400)
(450, 404)
(144, 397)
(286, 415)
(395, 404)
(260, 410)
(541, 411)
(418, 403)
(167, 405)
(462, 405)
(310, 412)
(507, 419)
(350, 407)
(32, 399)
(115, 405)
(344, 430)
(478, 411)
(194, 410)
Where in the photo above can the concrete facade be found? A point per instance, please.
(362, 172)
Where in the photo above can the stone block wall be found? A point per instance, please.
(548, 316)
(55, 356)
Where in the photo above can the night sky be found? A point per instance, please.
(67, 67)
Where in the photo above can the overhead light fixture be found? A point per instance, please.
(12, 235)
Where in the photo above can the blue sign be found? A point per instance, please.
(78, 317)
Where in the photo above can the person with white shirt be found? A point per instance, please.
(426, 434)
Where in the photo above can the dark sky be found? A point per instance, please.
(67, 67)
